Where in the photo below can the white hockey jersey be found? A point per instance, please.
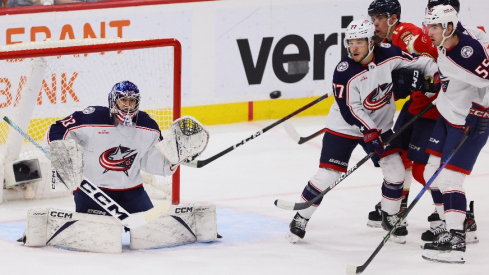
(464, 71)
(113, 156)
(363, 94)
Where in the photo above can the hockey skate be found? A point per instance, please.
(297, 229)
(434, 219)
(400, 233)
(470, 226)
(432, 234)
(375, 217)
(449, 248)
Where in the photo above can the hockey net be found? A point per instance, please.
(41, 82)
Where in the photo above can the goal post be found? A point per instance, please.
(41, 82)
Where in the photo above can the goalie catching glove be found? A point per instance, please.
(186, 140)
(67, 160)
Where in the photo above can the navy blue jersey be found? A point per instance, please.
(363, 93)
(464, 71)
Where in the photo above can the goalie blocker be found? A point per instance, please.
(103, 234)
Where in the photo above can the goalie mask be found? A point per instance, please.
(359, 29)
(124, 102)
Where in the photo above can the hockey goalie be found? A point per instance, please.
(99, 153)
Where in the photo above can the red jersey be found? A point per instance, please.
(411, 39)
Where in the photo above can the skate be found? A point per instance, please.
(400, 233)
(403, 208)
(449, 248)
(470, 226)
(432, 234)
(434, 219)
(297, 229)
(375, 217)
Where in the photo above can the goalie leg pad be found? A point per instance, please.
(182, 225)
(36, 227)
(84, 232)
(74, 231)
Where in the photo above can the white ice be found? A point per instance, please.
(243, 185)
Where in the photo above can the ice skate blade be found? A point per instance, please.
(448, 257)
(292, 238)
(471, 238)
(374, 224)
(397, 239)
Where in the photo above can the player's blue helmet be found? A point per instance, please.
(387, 7)
(124, 89)
(454, 3)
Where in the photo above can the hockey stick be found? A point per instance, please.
(99, 196)
(350, 269)
(289, 128)
(201, 163)
(287, 205)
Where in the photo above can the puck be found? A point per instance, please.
(275, 94)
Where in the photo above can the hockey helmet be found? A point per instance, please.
(454, 3)
(442, 14)
(387, 7)
(124, 89)
(359, 29)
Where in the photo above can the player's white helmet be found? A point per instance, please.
(120, 90)
(444, 15)
(359, 29)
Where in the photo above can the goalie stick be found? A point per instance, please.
(287, 205)
(350, 269)
(289, 128)
(99, 196)
(202, 163)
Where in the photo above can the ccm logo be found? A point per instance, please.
(183, 209)
(61, 215)
(479, 113)
(104, 200)
(434, 140)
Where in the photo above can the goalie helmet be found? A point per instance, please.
(454, 3)
(359, 29)
(124, 89)
(387, 7)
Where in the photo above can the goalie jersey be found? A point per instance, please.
(363, 94)
(113, 156)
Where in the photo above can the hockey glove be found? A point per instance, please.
(405, 81)
(373, 141)
(477, 120)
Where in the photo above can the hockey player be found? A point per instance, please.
(437, 218)
(386, 16)
(118, 142)
(362, 114)
(476, 32)
(462, 103)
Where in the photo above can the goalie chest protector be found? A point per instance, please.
(113, 155)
